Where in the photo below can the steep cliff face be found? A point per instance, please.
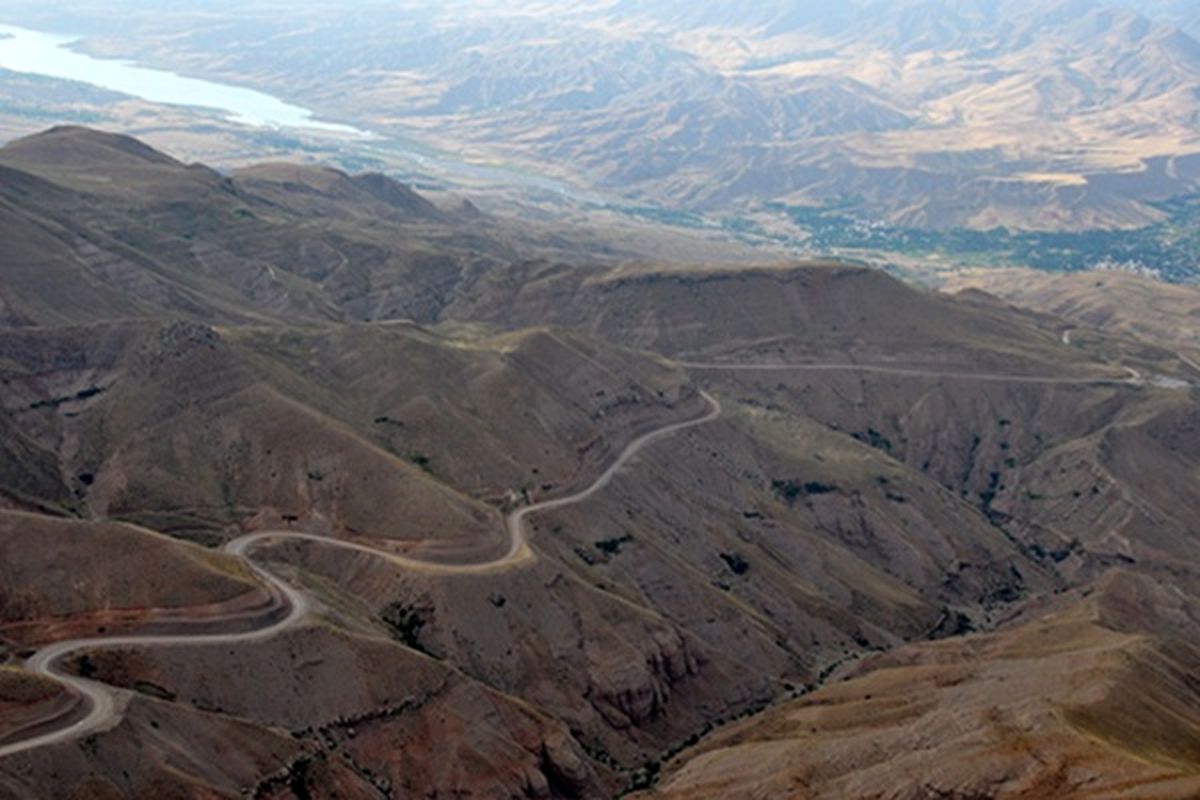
(632, 688)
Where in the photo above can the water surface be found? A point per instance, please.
(50, 54)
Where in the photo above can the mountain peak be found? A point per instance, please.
(65, 145)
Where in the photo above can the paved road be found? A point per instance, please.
(103, 702)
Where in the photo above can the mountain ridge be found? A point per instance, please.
(721, 110)
(844, 477)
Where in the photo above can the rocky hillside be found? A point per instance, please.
(982, 523)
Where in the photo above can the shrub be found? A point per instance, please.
(790, 490)
(875, 439)
(612, 547)
(736, 563)
(406, 623)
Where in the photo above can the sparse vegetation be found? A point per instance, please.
(737, 565)
(1168, 247)
(988, 495)
(962, 625)
(406, 623)
(153, 690)
(875, 439)
(85, 666)
(55, 402)
(298, 779)
(644, 778)
(612, 547)
(791, 491)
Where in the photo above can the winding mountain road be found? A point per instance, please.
(1134, 379)
(103, 701)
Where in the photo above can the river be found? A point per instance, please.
(50, 54)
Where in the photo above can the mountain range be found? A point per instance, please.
(320, 488)
(931, 114)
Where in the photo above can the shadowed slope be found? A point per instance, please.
(1061, 708)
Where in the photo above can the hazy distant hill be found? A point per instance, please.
(923, 113)
(1183, 13)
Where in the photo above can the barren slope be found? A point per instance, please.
(59, 577)
(881, 469)
(1064, 707)
(1114, 302)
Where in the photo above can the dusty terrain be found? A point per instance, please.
(150, 577)
(535, 561)
(1112, 302)
(1041, 710)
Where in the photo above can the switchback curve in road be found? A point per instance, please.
(102, 701)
